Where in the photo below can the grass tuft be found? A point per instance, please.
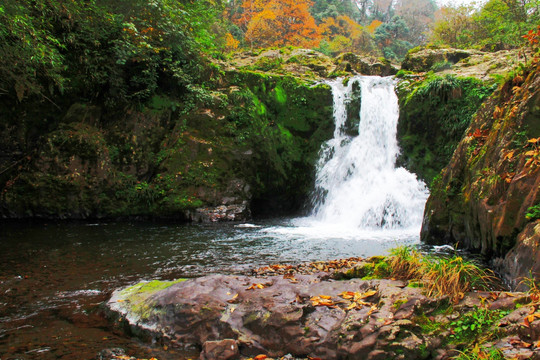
(439, 275)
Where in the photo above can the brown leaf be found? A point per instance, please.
(233, 299)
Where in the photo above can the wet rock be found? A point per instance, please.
(220, 350)
(109, 354)
(236, 212)
(482, 197)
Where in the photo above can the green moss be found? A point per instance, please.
(397, 304)
(137, 295)
(434, 114)
(281, 96)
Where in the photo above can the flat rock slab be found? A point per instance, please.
(278, 315)
(312, 315)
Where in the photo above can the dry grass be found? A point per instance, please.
(452, 276)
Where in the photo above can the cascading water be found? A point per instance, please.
(357, 184)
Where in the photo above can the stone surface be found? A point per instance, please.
(304, 312)
(220, 350)
(474, 63)
(482, 197)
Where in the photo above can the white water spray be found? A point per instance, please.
(357, 184)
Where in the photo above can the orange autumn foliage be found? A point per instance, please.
(231, 43)
(278, 23)
(345, 34)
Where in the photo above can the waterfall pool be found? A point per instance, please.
(53, 276)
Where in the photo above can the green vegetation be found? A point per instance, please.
(479, 353)
(440, 275)
(472, 324)
(434, 114)
(533, 213)
(497, 25)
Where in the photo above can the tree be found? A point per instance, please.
(278, 23)
(343, 34)
(391, 38)
(497, 25)
(418, 15)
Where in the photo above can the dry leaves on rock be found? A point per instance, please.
(258, 286)
(323, 300)
(356, 299)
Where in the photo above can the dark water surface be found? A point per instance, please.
(54, 276)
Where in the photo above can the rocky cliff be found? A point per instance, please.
(487, 199)
(252, 138)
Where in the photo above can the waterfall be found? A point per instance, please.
(357, 183)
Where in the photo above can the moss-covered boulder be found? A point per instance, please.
(487, 196)
(364, 65)
(426, 59)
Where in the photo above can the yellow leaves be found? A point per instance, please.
(231, 43)
(354, 299)
(373, 26)
(355, 296)
(233, 299)
(322, 300)
(256, 286)
(497, 112)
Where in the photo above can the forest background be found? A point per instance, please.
(119, 50)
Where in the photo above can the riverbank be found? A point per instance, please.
(375, 308)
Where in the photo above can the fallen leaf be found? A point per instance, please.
(233, 299)
(256, 286)
(319, 301)
(121, 300)
(372, 310)
(260, 357)
(326, 297)
(509, 155)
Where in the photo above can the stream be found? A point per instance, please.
(54, 276)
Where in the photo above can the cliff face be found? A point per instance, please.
(208, 159)
(487, 199)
